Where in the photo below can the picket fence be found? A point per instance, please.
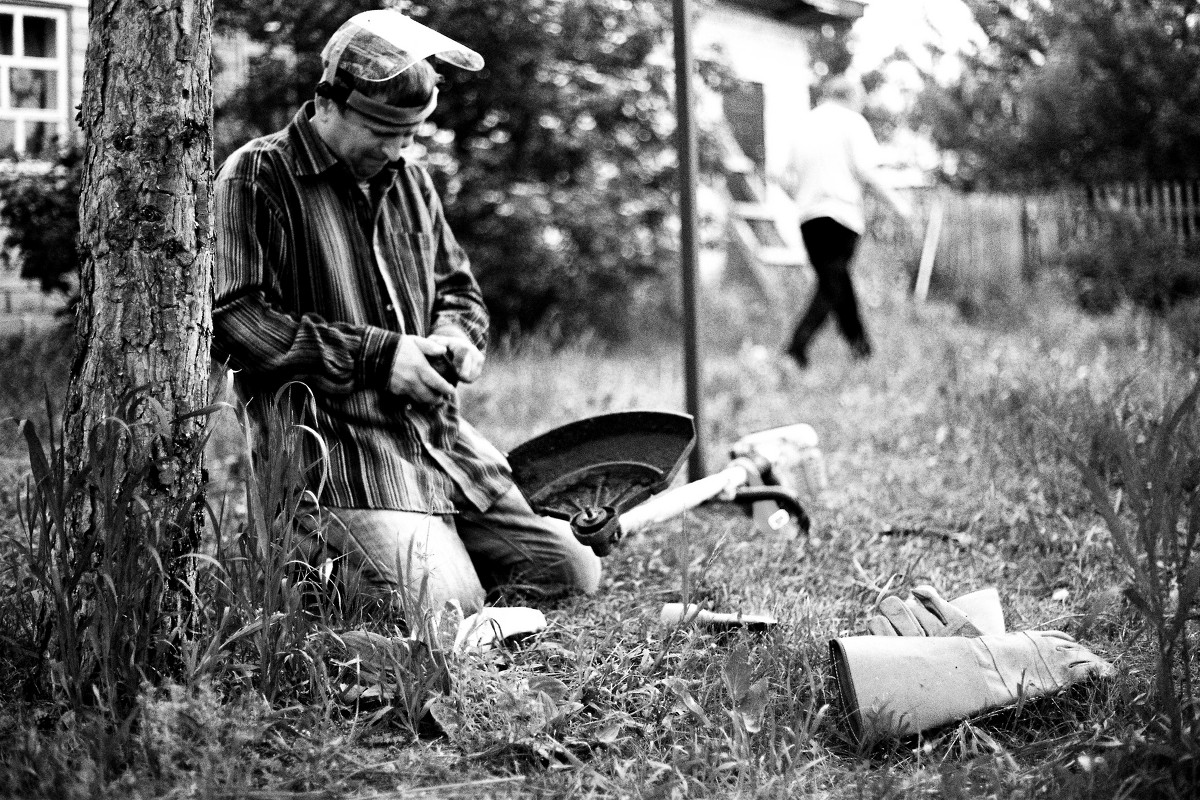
(1172, 206)
(991, 245)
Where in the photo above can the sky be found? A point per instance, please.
(909, 24)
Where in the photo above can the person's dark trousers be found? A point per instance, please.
(830, 247)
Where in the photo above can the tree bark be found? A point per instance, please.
(144, 322)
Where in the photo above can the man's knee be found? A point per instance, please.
(405, 554)
(513, 546)
(574, 567)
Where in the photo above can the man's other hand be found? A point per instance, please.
(412, 376)
(468, 361)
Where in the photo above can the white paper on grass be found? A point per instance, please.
(494, 625)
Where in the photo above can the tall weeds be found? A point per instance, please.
(282, 618)
(100, 619)
(1155, 527)
(269, 614)
(265, 594)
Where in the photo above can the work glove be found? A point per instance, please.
(901, 685)
(927, 613)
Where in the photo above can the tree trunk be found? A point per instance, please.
(144, 323)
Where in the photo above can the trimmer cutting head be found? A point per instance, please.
(591, 470)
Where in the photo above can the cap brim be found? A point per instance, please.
(417, 40)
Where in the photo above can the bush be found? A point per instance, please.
(1128, 259)
(556, 161)
(40, 215)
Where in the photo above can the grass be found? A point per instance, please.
(942, 469)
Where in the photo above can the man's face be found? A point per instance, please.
(363, 145)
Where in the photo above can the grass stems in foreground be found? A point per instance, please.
(939, 473)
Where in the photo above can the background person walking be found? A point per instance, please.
(835, 159)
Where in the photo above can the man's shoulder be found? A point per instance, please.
(273, 151)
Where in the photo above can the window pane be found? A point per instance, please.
(40, 139)
(8, 138)
(39, 37)
(6, 33)
(32, 88)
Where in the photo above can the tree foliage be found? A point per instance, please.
(557, 158)
(1073, 91)
(555, 161)
(284, 64)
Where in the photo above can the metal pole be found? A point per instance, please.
(685, 135)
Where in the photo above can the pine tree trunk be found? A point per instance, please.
(144, 322)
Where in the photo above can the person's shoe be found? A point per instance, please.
(861, 349)
(800, 357)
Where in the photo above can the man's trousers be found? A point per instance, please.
(462, 557)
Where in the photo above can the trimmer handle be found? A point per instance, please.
(788, 500)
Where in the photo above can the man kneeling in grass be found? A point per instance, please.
(335, 267)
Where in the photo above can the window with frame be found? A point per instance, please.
(33, 81)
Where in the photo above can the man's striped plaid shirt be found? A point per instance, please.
(311, 286)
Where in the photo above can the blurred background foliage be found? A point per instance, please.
(1069, 92)
(39, 214)
(555, 161)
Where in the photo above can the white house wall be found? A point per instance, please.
(766, 52)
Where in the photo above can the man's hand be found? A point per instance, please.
(412, 376)
(468, 361)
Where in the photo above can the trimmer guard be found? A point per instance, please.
(612, 461)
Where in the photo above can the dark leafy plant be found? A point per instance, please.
(1128, 259)
(1155, 527)
(557, 160)
(39, 212)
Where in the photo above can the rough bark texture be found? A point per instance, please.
(144, 321)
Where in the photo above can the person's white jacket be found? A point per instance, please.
(834, 158)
